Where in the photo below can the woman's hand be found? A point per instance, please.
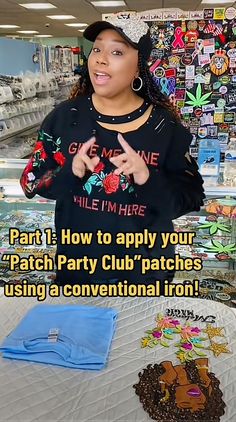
(82, 162)
(130, 163)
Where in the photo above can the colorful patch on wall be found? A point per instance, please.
(219, 62)
(203, 53)
(198, 100)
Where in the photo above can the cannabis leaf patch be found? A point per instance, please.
(198, 100)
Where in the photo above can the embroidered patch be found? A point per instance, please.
(109, 182)
(193, 342)
(175, 393)
(189, 314)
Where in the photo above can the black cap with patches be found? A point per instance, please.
(133, 30)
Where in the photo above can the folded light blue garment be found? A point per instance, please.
(66, 335)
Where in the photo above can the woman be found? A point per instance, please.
(115, 158)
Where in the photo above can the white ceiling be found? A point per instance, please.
(83, 10)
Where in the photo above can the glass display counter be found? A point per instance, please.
(26, 215)
(214, 243)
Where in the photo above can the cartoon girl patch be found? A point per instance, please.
(186, 392)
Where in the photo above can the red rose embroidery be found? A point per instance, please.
(99, 167)
(39, 149)
(111, 183)
(59, 158)
(43, 155)
(38, 146)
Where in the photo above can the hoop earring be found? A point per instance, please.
(140, 86)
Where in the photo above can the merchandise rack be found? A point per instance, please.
(7, 138)
(10, 138)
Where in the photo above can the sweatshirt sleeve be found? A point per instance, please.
(176, 188)
(48, 173)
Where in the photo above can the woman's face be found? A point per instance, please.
(112, 64)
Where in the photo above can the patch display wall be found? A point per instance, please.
(194, 62)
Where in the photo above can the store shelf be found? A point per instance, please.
(220, 190)
(11, 187)
(9, 162)
(19, 132)
(38, 110)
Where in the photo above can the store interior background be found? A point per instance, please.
(56, 32)
(82, 10)
(25, 55)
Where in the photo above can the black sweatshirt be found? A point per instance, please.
(105, 201)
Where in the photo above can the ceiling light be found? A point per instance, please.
(9, 26)
(43, 36)
(27, 32)
(219, 1)
(38, 6)
(61, 17)
(108, 3)
(76, 25)
(81, 30)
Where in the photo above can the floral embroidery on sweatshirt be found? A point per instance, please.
(109, 182)
(29, 180)
(39, 154)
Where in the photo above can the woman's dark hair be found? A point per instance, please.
(149, 92)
